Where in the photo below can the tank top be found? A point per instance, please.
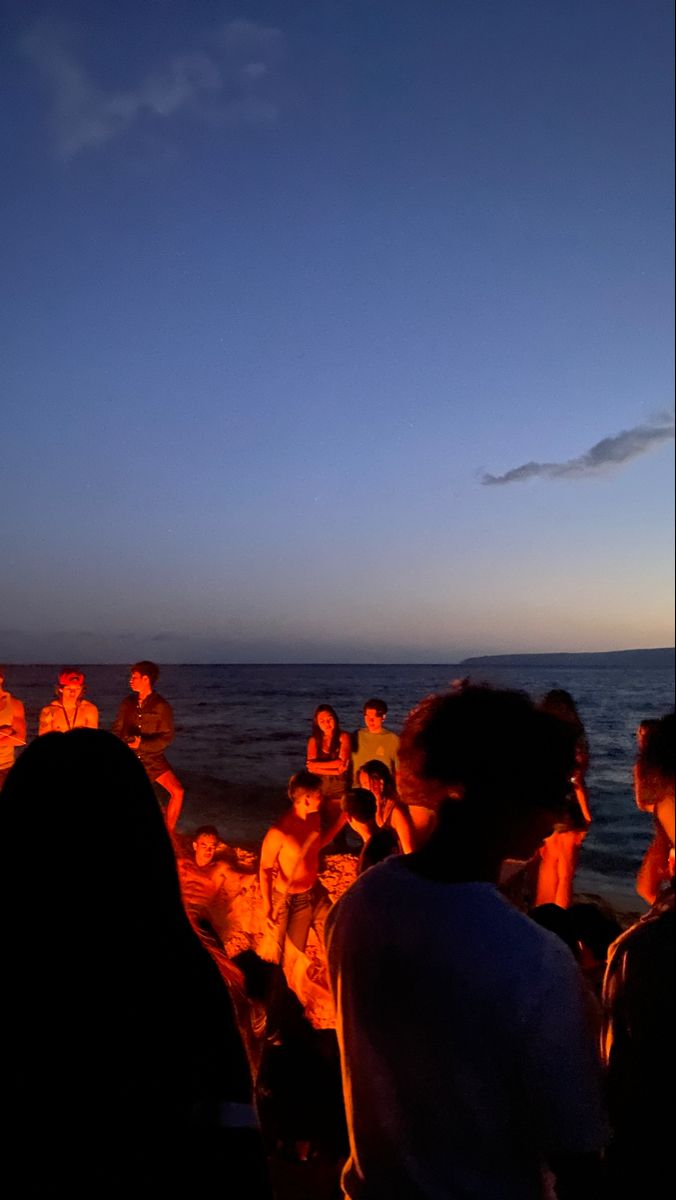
(333, 786)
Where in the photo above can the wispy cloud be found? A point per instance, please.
(229, 79)
(609, 452)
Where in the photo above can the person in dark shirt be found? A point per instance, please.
(145, 721)
(136, 1056)
(359, 806)
(639, 995)
(298, 1084)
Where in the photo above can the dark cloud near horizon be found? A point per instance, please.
(609, 452)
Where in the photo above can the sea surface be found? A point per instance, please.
(241, 730)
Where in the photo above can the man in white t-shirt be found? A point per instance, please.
(468, 1052)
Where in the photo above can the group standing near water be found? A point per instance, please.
(466, 1031)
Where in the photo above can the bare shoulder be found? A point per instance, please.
(274, 836)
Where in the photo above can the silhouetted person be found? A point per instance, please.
(639, 995)
(587, 930)
(298, 1084)
(469, 1061)
(555, 918)
(123, 1069)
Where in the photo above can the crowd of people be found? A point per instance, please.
(145, 721)
(484, 1047)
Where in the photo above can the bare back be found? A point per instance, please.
(294, 844)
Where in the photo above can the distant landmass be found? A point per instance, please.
(661, 657)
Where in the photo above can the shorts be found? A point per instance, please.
(154, 766)
(294, 915)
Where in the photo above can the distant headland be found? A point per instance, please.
(661, 657)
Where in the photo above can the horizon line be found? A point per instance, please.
(458, 662)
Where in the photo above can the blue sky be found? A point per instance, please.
(336, 331)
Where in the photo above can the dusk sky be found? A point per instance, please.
(336, 331)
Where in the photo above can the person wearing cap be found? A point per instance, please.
(378, 842)
(69, 710)
(12, 727)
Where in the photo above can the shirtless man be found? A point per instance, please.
(639, 994)
(70, 710)
(469, 1058)
(146, 723)
(293, 897)
(208, 884)
(12, 728)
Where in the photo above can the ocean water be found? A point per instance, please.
(241, 730)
